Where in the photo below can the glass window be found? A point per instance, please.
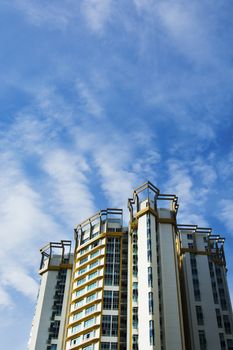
(227, 324)
(81, 281)
(91, 297)
(89, 322)
(90, 309)
(94, 264)
(150, 280)
(200, 318)
(88, 335)
(93, 275)
(202, 340)
(135, 317)
(92, 286)
(229, 344)
(89, 347)
(82, 271)
(82, 261)
(109, 325)
(152, 334)
(151, 305)
(219, 318)
(222, 341)
(75, 341)
(93, 255)
(76, 328)
(77, 315)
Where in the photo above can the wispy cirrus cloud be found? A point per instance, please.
(97, 13)
(225, 213)
(63, 14)
(192, 182)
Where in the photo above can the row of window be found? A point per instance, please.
(111, 300)
(109, 325)
(90, 256)
(88, 267)
(84, 312)
(91, 246)
(112, 267)
(87, 278)
(84, 337)
(223, 343)
(88, 323)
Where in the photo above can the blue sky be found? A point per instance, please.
(97, 97)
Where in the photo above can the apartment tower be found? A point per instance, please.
(152, 285)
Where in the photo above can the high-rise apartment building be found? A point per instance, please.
(152, 285)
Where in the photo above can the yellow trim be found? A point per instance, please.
(130, 288)
(56, 268)
(85, 274)
(102, 235)
(145, 211)
(88, 329)
(119, 295)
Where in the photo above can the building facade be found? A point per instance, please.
(152, 285)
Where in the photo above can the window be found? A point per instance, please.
(202, 340)
(94, 264)
(190, 245)
(222, 341)
(89, 347)
(79, 292)
(151, 305)
(81, 281)
(135, 317)
(91, 297)
(83, 260)
(135, 342)
(150, 280)
(106, 325)
(90, 309)
(93, 275)
(135, 291)
(227, 324)
(108, 346)
(112, 266)
(93, 255)
(84, 250)
(75, 341)
(76, 329)
(88, 335)
(111, 300)
(151, 333)
(92, 286)
(78, 303)
(219, 318)
(109, 325)
(89, 322)
(200, 318)
(229, 344)
(189, 236)
(82, 271)
(77, 315)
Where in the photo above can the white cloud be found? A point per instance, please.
(71, 195)
(225, 212)
(55, 12)
(22, 226)
(89, 101)
(97, 13)
(5, 299)
(181, 183)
